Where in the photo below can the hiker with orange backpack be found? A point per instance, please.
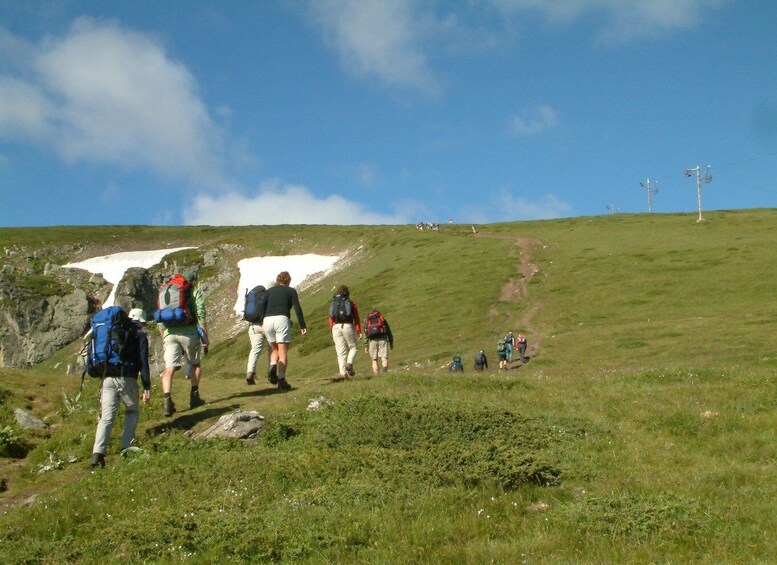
(181, 318)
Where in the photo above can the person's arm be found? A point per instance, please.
(298, 309)
(389, 334)
(145, 371)
(357, 323)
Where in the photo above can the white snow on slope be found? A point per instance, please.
(113, 267)
(263, 270)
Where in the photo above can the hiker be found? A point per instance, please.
(510, 344)
(346, 330)
(501, 353)
(456, 365)
(183, 340)
(254, 300)
(379, 340)
(481, 361)
(521, 339)
(123, 390)
(275, 314)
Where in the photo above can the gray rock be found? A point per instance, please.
(138, 288)
(27, 421)
(35, 329)
(238, 425)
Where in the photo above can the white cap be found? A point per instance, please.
(137, 314)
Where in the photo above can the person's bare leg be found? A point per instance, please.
(283, 359)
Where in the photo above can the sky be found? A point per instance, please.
(382, 112)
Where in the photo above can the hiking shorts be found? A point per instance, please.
(379, 348)
(179, 347)
(277, 329)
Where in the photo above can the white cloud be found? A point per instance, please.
(378, 38)
(539, 119)
(275, 205)
(106, 94)
(622, 20)
(545, 207)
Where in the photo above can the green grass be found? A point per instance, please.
(642, 430)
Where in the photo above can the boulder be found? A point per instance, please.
(27, 421)
(238, 425)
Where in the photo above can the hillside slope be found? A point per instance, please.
(640, 430)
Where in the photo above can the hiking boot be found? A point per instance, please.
(272, 375)
(98, 460)
(251, 379)
(349, 369)
(195, 400)
(283, 384)
(169, 407)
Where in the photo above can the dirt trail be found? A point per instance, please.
(516, 290)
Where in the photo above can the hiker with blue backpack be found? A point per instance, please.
(181, 316)
(117, 353)
(346, 329)
(251, 314)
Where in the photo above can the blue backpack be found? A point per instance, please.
(254, 299)
(112, 344)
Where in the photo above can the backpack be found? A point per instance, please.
(374, 325)
(173, 302)
(501, 347)
(112, 344)
(341, 309)
(254, 299)
(480, 358)
(456, 364)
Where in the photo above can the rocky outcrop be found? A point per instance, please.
(138, 289)
(35, 329)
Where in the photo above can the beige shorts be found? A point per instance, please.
(180, 347)
(379, 348)
(277, 329)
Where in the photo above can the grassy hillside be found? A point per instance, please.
(641, 430)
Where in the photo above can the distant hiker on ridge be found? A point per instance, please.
(456, 365)
(521, 339)
(346, 329)
(501, 353)
(510, 344)
(481, 361)
(275, 314)
(123, 389)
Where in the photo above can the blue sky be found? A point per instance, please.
(382, 112)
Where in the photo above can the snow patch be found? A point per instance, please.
(263, 270)
(112, 267)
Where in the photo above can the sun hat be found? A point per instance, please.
(138, 314)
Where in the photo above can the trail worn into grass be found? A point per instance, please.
(516, 290)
